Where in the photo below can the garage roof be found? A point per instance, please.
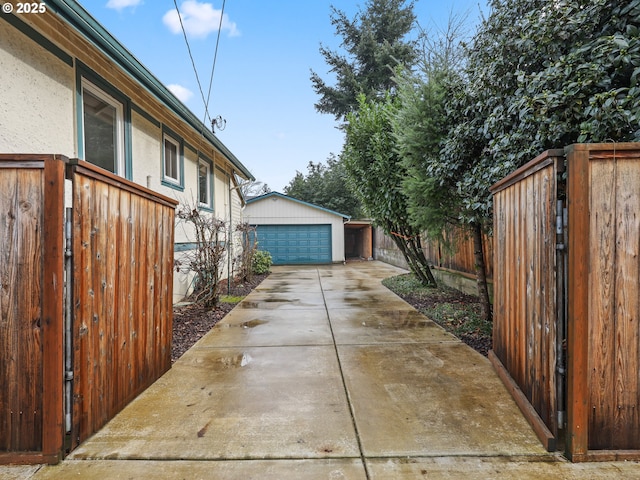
(286, 197)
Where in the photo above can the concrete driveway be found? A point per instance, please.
(322, 373)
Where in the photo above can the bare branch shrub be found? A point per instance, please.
(249, 248)
(207, 259)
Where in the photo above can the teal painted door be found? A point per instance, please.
(296, 244)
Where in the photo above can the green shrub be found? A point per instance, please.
(261, 262)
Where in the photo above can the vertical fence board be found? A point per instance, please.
(531, 252)
(499, 279)
(82, 309)
(9, 309)
(626, 390)
(578, 302)
(53, 310)
(602, 304)
(122, 344)
(549, 297)
(111, 300)
(521, 311)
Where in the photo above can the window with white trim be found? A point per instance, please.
(103, 127)
(171, 158)
(204, 184)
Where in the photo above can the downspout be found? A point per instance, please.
(230, 239)
(68, 354)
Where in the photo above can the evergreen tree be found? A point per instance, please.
(375, 42)
(325, 186)
(375, 174)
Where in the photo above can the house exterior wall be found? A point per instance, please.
(147, 150)
(36, 112)
(275, 210)
(41, 60)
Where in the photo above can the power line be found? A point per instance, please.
(215, 58)
(193, 63)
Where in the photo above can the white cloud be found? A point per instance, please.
(183, 93)
(121, 4)
(199, 20)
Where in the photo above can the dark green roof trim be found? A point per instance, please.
(38, 38)
(143, 113)
(193, 149)
(302, 202)
(76, 16)
(184, 247)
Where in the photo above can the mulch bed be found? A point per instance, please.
(476, 340)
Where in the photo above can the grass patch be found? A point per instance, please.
(455, 311)
(460, 319)
(231, 299)
(406, 284)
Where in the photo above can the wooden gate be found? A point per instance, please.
(603, 342)
(122, 293)
(31, 301)
(119, 304)
(593, 322)
(525, 294)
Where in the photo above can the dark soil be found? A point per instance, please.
(191, 322)
(476, 338)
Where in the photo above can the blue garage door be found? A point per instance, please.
(296, 244)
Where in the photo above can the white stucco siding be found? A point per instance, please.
(190, 193)
(276, 210)
(37, 108)
(146, 151)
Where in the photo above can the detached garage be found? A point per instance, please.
(296, 232)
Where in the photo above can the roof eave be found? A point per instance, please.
(74, 14)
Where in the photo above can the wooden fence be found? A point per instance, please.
(456, 253)
(587, 312)
(525, 267)
(120, 306)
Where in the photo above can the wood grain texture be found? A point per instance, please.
(123, 320)
(21, 309)
(455, 252)
(603, 334)
(31, 285)
(53, 310)
(525, 285)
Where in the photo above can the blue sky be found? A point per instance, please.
(261, 80)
